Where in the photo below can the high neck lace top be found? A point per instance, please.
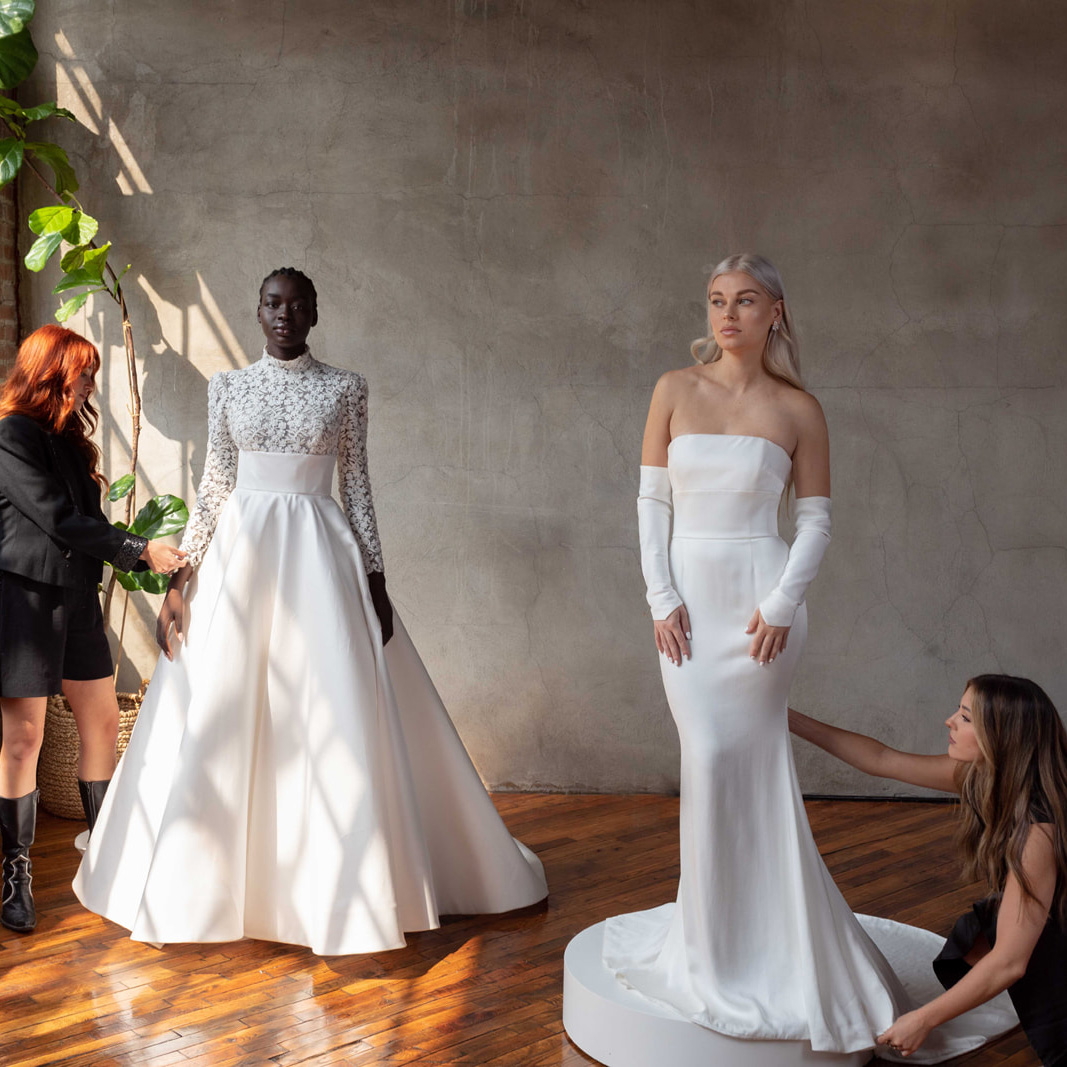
(298, 406)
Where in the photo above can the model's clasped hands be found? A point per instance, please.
(162, 558)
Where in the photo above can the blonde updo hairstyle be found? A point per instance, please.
(781, 353)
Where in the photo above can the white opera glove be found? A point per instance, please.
(654, 528)
(779, 606)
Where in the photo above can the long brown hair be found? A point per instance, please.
(1021, 779)
(41, 385)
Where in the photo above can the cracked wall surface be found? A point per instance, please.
(508, 207)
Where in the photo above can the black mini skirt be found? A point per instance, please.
(48, 633)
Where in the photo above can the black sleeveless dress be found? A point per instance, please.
(1039, 997)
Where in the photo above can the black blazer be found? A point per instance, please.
(51, 526)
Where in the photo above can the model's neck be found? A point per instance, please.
(739, 370)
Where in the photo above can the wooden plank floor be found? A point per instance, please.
(477, 991)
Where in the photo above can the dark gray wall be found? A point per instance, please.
(508, 208)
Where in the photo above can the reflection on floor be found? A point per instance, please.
(477, 991)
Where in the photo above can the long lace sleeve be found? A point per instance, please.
(352, 477)
(220, 474)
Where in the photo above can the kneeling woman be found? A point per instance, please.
(1007, 758)
(54, 540)
(293, 775)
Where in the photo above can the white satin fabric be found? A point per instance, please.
(288, 778)
(759, 943)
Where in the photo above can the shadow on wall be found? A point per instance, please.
(172, 390)
(167, 373)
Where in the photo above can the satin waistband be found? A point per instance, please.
(285, 472)
(715, 514)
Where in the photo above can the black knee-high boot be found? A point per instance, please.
(92, 794)
(18, 822)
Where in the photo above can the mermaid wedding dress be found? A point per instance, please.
(289, 778)
(759, 943)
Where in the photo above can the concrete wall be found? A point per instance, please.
(508, 207)
(9, 279)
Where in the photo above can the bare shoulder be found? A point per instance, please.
(675, 383)
(1040, 844)
(805, 412)
(1039, 862)
(800, 403)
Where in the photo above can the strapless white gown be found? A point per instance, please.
(288, 778)
(759, 943)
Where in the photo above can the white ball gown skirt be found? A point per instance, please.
(288, 778)
(760, 942)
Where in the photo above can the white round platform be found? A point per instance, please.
(621, 1028)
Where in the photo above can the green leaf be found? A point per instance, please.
(42, 249)
(120, 487)
(86, 258)
(76, 227)
(74, 257)
(150, 582)
(127, 581)
(66, 181)
(120, 525)
(14, 14)
(69, 307)
(10, 107)
(46, 110)
(75, 278)
(162, 515)
(51, 219)
(10, 158)
(18, 57)
(82, 228)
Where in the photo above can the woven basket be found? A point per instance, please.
(57, 769)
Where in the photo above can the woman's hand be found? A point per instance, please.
(172, 613)
(382, 607)
(673, 635)
(907, 1033)
(162, 558)
(767, 641)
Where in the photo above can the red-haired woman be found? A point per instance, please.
(53, 537)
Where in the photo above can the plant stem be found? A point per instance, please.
(117, 295)
(122, 632)
(135, 401)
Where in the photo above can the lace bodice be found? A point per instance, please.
(299, 405)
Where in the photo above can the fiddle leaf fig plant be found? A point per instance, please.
(162, 515)
(85, 270)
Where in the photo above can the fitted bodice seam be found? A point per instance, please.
(281, 492)
(733, 537)
(750, 492)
